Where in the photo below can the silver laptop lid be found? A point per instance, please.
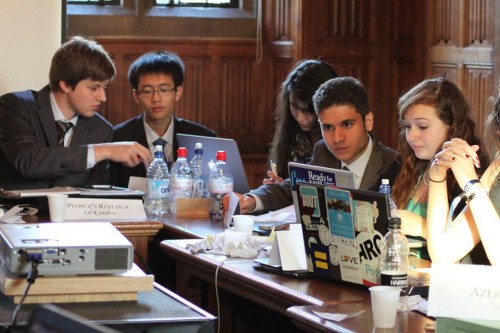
(210, 146)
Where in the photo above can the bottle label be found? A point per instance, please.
(220, 186)
(158, 188)
(181, 183)
(396, 279)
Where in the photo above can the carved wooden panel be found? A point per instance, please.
(462, 48)
(341, 20)
(480, 86)
(447, 21)
(449, 71)
(282, 17)
(236, 103)
(197, 88)
(480, 23)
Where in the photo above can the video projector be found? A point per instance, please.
(68, 248)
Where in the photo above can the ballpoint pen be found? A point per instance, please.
(273, 167)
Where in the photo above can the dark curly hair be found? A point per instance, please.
(302, 81)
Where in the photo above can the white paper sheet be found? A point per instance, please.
(285, 214)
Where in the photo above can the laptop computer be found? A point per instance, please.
(210, 146)
(342, 230)
(307, 173)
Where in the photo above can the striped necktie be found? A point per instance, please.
(62, 128)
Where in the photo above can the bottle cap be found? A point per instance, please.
(198, 145)
(158, 148)
(182, 152)
(220, 155)
(395, 223)
(385, 181)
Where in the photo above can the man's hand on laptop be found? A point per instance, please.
(273, 178)
(247, 203)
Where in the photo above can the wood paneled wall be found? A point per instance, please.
(388, 44)
(225, 89)
(461, 47)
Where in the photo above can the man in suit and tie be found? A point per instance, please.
(55, 137)
(157, 81)
(341, 105)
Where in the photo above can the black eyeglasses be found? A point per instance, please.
(149, 92)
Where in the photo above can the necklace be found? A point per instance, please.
(416, 185)
(426, 182)
(415, 202)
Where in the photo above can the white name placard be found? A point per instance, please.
(103, 209)
(289, 250)
(464, 291)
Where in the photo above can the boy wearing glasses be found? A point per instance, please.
(157, 81)
(55, 137)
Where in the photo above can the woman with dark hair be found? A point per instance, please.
(430, 113)
(297, 128)
(475, 230)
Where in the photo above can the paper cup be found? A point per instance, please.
(57, 206)
(243, 223)
(384, 305)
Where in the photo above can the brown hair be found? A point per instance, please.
(79, 59)
(492, 128)
(453, 109)
(302, 81)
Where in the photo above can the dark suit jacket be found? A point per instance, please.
(383, 163)
(133, 130)
(30, 156)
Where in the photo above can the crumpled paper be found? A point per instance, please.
(234, 244)
(15, 214)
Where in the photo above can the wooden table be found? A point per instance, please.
(249, 300)
(186, 228)
(256, 301)
(304, 318)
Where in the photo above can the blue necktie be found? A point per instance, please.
(160, 142)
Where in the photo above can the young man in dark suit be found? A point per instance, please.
(55, 137)
(156, 79)
(346, 123)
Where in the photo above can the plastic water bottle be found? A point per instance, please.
(158, 181)
(181, 181)
(393, 264)
(220, 184)
(386, 189)
(200, 173)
